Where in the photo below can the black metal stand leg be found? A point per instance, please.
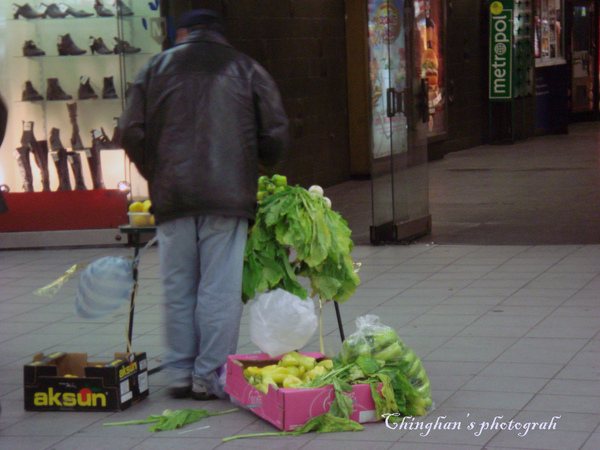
(339, 319)
(136, 245)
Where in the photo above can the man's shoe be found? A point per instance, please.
(199, 393)
(180, 391)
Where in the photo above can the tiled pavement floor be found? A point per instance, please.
(509, 331)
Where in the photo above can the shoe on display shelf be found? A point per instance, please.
(55, 92)
(123, 9)
(125, 47)
(30, 94)
(26, 11)
(30, 49)
(97, 45)
(66, 46)
(54, 11)
(101, 10)
(109, 91)
(86, 91)
(75, 13)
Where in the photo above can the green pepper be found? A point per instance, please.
(392, 352)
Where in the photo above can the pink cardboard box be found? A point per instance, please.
(289, 409)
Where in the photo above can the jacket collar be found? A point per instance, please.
(210, 36)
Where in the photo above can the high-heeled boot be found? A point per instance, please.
(30, 94)
(40, 153)
(66, 46)
(98, 45)
(59, 156)
(27, 11)
(95, 163)
(55, 92)
(76, 143)
(75, 162)
(101, 10)
(109, 90)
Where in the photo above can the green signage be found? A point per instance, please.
(501, 43)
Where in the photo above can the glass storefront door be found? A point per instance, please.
(399, 118)
(583, 59)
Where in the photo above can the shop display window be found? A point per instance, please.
(548, 32)
(66, 70)
(430, 22)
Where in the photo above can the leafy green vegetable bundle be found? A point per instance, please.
(295, 219)
(376, 354)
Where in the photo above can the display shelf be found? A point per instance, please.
(74, 118)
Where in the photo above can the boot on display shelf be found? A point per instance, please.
(123, 9)
(125, 47)
(27, 138)
(75, 161)
(95, 163)
(40, 153)
(76, 143)
(101, 10)
(22, 156)
(66, 46)
(55, 92)
(30, 94)
(101, 139)
(30, 144)
(75, 13)
(54, 11)
(30, 49)
(109, 91)
(59, 156)
(26, 11)
(97, 45)
(85, 91)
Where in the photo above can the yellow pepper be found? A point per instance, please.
(263, 386)
(314, 373)
(251, 371)
(278, 374)
(296, 359)
(292, 382)
(327, 363)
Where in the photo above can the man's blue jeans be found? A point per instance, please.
(202, 260)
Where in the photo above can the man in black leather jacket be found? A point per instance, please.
(200, 118)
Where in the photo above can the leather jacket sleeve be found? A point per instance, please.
(273, 138)
(131, 130)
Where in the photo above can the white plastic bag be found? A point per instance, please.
(104, 286)
(281, 322)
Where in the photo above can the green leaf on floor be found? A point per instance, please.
(171, 420)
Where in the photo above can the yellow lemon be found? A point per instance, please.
(152, 220)
(136, 207)
(147, 205)
(141, 220)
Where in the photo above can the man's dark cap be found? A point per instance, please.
(199, 17)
